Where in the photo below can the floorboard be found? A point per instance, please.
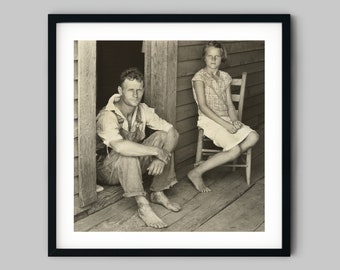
(118, 211)
(205, 205)
(244, 214)
(261, 228)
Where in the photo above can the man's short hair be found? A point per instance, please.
(131, 74)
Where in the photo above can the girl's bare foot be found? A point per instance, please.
(197, 181)
(160, 198)
(150, 218)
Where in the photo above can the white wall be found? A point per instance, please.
(23, 112)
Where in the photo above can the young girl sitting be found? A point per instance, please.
(216, 114)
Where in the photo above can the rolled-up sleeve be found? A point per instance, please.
(198, 77)
(227, 78)
(153, 121)
(108, 127)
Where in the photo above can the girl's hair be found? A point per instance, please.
(217, 45)
(131, 74)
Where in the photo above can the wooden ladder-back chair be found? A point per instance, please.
(204, 150)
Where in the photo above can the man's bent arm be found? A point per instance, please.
(169, 145)
(132, 149)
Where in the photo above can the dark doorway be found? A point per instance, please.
(112, 58)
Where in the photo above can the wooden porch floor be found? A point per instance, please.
(231, 206)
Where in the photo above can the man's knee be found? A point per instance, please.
(157, 139)
(161, 135)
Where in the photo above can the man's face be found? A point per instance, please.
(132, 92)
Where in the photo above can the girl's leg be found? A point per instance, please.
(195, 175)
(250, 141)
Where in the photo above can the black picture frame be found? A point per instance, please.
(54, 20)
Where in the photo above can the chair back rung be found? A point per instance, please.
(237, 82)
(235, 98)
(204, 151)
(236, 165)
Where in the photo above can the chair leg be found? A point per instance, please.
(248, 168)
(199, 147)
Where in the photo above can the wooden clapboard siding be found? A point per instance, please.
(243, 56)
(254, 90)
(75, 108)
(76, 86)
(76, 166)
(75, 70)
(254, 100)
(186, 111)
(185, 97)
(187, 138)
(253, 59)
(254, 110)
(186, 124)
(76, 172)
(75, 123)
(75, 144)
(194, 51)
(236, 71)
(185, 153)
(183, 83)
(75, 49)
(76, 185)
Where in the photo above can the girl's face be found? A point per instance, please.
(213, 57)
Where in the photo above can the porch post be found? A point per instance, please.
(87, 51)
(161, 77)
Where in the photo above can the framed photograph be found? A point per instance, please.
(169, 135)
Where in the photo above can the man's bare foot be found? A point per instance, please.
(160, 198)
(150, 218)
(197, 181)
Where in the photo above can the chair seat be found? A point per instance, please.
(209, 148)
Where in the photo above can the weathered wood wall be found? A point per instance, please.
(243, 56)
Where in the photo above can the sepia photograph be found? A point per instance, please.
(170, 139)
(176, 141)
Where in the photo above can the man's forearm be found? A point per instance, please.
(132, 149)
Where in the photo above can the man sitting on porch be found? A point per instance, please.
(123, 153)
